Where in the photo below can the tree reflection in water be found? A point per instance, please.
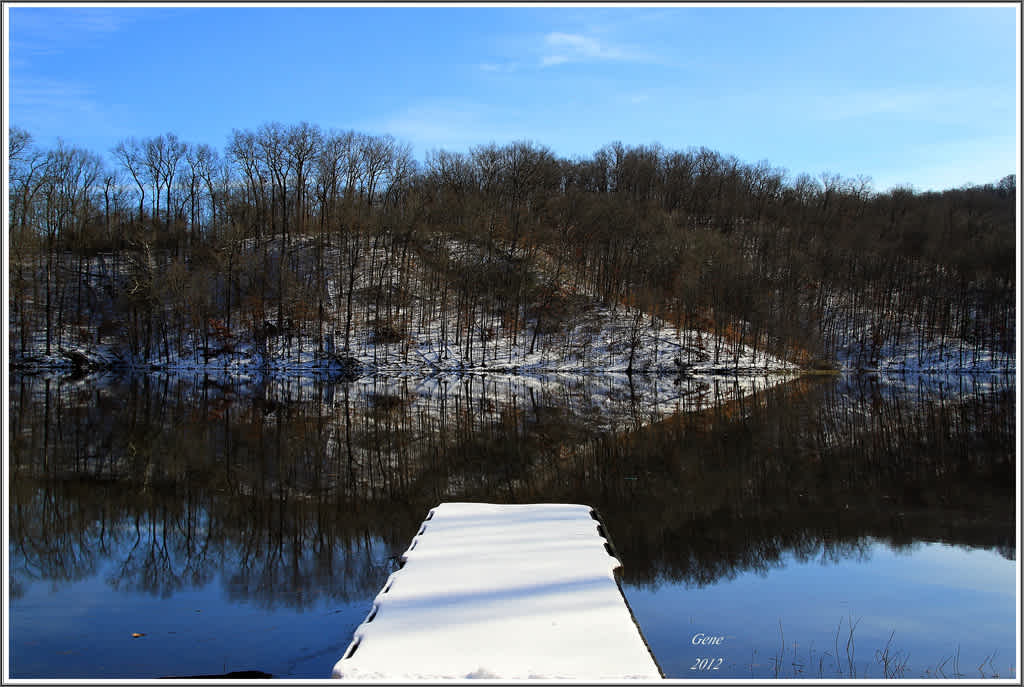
(285, 489)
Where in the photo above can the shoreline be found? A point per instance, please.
(337, 368)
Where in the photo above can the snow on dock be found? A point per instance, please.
(502, 592)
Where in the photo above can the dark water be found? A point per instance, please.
(820, 528)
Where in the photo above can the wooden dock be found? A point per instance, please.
(502, 592)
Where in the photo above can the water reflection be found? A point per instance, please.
(814, 471)
(285, 492)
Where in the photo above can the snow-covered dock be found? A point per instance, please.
(502, 592)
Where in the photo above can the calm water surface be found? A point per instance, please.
(837, 528)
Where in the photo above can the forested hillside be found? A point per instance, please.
(296, 240)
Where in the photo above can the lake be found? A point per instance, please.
(810, 527)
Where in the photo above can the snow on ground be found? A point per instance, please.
(501, 592)
(425, 337)
(596, 339)
(602, 341)
(918, 350)
(923, 356)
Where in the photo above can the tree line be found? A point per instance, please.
(305, 236)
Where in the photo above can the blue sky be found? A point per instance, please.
(917, 95)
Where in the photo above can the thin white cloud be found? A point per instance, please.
(48, 107)
(448, 124)
(580, 44)
(855, 105)
(32, 98)
(953, 163)
(551, 60)
(950, 105)
(48, 30)
(505, 68)
(561, 48)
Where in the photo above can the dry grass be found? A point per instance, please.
(841, 661)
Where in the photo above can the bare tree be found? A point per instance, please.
(131, 154)
(304, 141)
(173, 151)
(272, 142)
(375, 154)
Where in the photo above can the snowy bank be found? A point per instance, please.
(599, 341)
